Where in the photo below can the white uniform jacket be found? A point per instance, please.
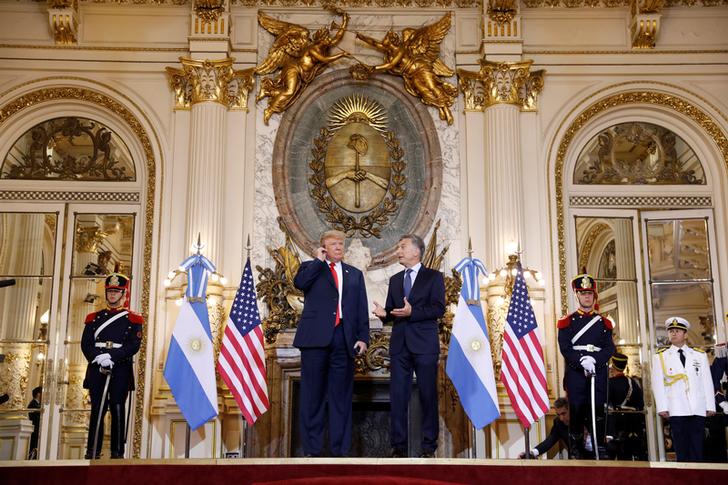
(682, 391)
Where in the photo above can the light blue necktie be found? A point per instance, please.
(407, 282)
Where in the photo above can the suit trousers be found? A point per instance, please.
(688, 435)
(402, 367)
(327, 382)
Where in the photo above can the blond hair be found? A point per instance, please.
(332, 234)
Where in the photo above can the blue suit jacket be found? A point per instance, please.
(316, 326)
(419, 331)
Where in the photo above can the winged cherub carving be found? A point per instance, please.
(415, 57)
(300, 57)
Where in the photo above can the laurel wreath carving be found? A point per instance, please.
(371, 224)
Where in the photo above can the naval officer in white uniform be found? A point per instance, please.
(683, 389)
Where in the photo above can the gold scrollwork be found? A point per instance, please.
(275, 287)
(670, 101)
(63, 20)
(216, 80)
(501, 83)
(376, 357)
(209, 10)
(362, 121)
(502, 11)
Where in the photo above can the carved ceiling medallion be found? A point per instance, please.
(358, 168)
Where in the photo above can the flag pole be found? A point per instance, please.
(244, 424)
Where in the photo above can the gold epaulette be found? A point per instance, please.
(662, 350)
(697, 349)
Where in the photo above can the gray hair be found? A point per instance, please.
(416, 241)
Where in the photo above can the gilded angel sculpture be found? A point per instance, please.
(300, 57)
(415, 57)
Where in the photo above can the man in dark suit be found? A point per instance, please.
(415, 300)
(333, 328)
(34, 417)
(559, 431)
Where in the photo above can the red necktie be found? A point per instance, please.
(332, 266)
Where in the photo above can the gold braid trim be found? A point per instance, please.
(669, 380)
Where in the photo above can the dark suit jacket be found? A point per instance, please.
(559, 434)
(419, 331)
(316, 326)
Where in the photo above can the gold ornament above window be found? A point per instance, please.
(638, 153)
(69, 149)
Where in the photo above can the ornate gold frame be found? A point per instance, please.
(670, 101)
(112, 105)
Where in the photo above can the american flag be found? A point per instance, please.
(242, 356)
(522, 370)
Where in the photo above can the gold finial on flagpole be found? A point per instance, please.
(248, 247)
(470, 248)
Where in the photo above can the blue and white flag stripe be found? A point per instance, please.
(198, 270)
(190, 368)
(469, 362)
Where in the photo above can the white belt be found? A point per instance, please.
(588, 348)
(107, 345)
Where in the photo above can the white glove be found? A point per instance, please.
(724, 405)
(534, 452)
(107, 363)
(100, 357)
(588, 363)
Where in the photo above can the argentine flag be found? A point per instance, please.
(190, 366)
(469, 362)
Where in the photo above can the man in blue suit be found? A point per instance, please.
(415, 300)
(333, 328)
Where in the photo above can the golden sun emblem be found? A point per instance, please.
(196, 345)
(476, 345)
(586, 283)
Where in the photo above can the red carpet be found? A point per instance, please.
(359, 471)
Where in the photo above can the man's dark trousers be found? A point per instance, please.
(327, 375)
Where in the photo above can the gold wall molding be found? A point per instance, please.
(634, 97)
(501, 83)
(618, 3)
(49, 94)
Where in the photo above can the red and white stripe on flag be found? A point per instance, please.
(242, 367)
(522, 369)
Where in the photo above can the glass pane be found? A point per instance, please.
(69, 149)
(693, 301)
(102, 244)
(29, 241)
(26, 255)
(638, 153)
(678, 249)
(619, 302)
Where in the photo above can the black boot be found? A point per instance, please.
(91, 432)
(117, 431)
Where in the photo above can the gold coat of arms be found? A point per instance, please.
(358, 168)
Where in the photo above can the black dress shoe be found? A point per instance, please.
(396, 453)
(427, 454)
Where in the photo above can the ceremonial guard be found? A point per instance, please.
(626, 418)
(585, 341)
(111, 338)
(683, 389)
(716, 443)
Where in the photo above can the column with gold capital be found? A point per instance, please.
(503, 83)
(208, 88)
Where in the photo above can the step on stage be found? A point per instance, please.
(366, 471)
